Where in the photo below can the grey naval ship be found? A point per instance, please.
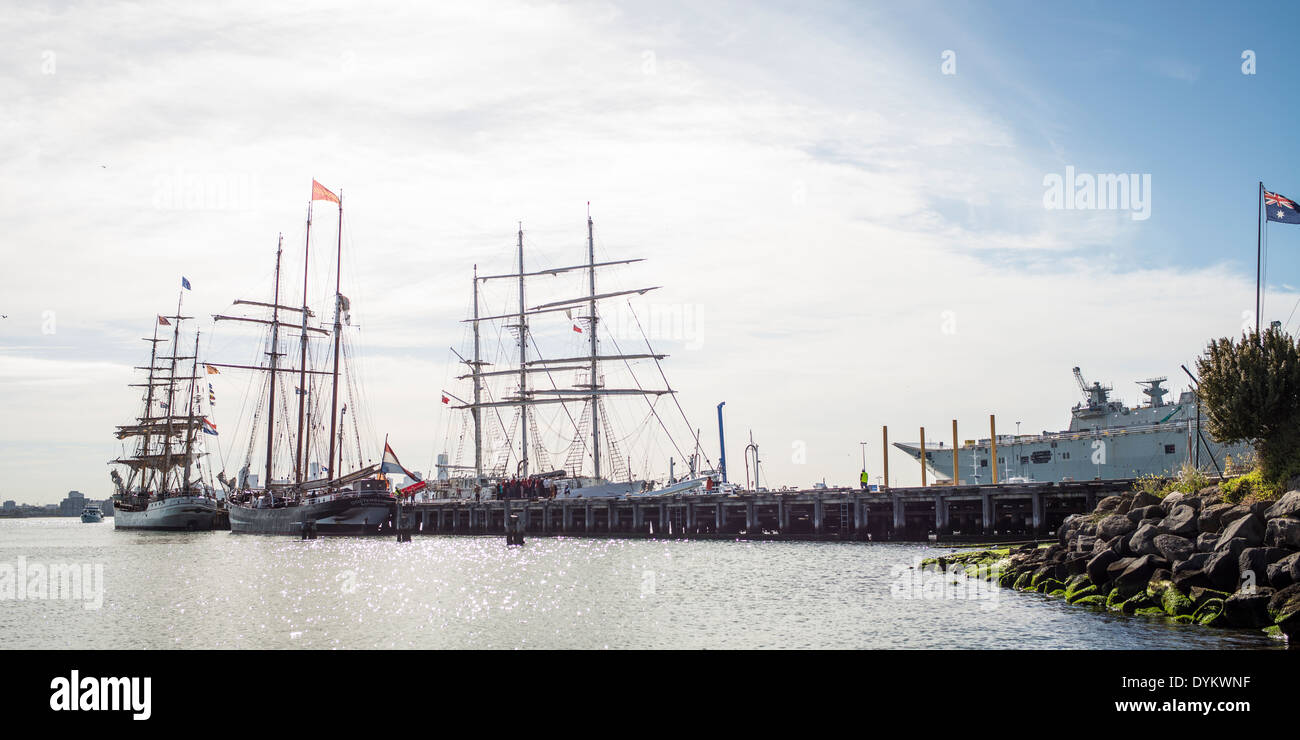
(1105, 440)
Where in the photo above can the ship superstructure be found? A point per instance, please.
(1106, 439)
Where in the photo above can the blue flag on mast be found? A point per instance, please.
(1280, 209)
(185, 283)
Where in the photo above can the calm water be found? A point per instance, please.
(215, 590)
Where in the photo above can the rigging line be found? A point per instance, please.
(446, 432)
(638, 385)
(659, 365)
(565, 406)
(221, 452)
(1289, 316)
(496, 411)
(353, 392)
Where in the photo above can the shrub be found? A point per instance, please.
(1189, 479)
(1150, 483)
(1252, 484)
(1250, 389)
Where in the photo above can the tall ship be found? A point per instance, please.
(164, 487)
(298, 414)
(1106, 439)
(545, 386)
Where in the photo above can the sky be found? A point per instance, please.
(846, 204)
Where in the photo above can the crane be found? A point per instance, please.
(1097, 394)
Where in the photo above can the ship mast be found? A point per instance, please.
(147, 478)
(171, 392)
(338, 331)
(477, 370)
(528, 397)
(523, 364)
(275, 355)
(302, 367)
(189, 420)
(591, 325)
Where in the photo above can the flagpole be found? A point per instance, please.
(1259, 228)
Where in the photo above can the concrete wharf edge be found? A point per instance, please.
(999, 511)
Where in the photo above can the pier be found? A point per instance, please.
(968, 512)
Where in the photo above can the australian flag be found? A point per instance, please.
(1280, 209)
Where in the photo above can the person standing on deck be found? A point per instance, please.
(863, 478)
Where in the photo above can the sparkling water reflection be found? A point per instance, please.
(217, 590)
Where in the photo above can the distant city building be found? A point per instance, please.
(73, 504)
(11, 506)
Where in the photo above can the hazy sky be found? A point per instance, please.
(852, 236)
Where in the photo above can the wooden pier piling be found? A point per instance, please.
(987, 512)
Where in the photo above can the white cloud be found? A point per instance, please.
(819, 201)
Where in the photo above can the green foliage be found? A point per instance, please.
(1250, 390)
(1190, 479)
(1252, 484)
(1150, 483)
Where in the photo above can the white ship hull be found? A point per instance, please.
(181, 513)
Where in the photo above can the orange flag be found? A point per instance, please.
(318, 192)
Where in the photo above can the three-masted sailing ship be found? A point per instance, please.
(160, 490)
(333, 502)
(594, 464)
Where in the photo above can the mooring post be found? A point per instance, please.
(955, 479)
(900, 518)
(923, 457)
(751, 517)
(719, 517)
(885, 452)
(993, 440)
(1036, 498)
(986, 513)
(940, 515)
(817, 513)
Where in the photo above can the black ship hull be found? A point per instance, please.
(343, 514)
